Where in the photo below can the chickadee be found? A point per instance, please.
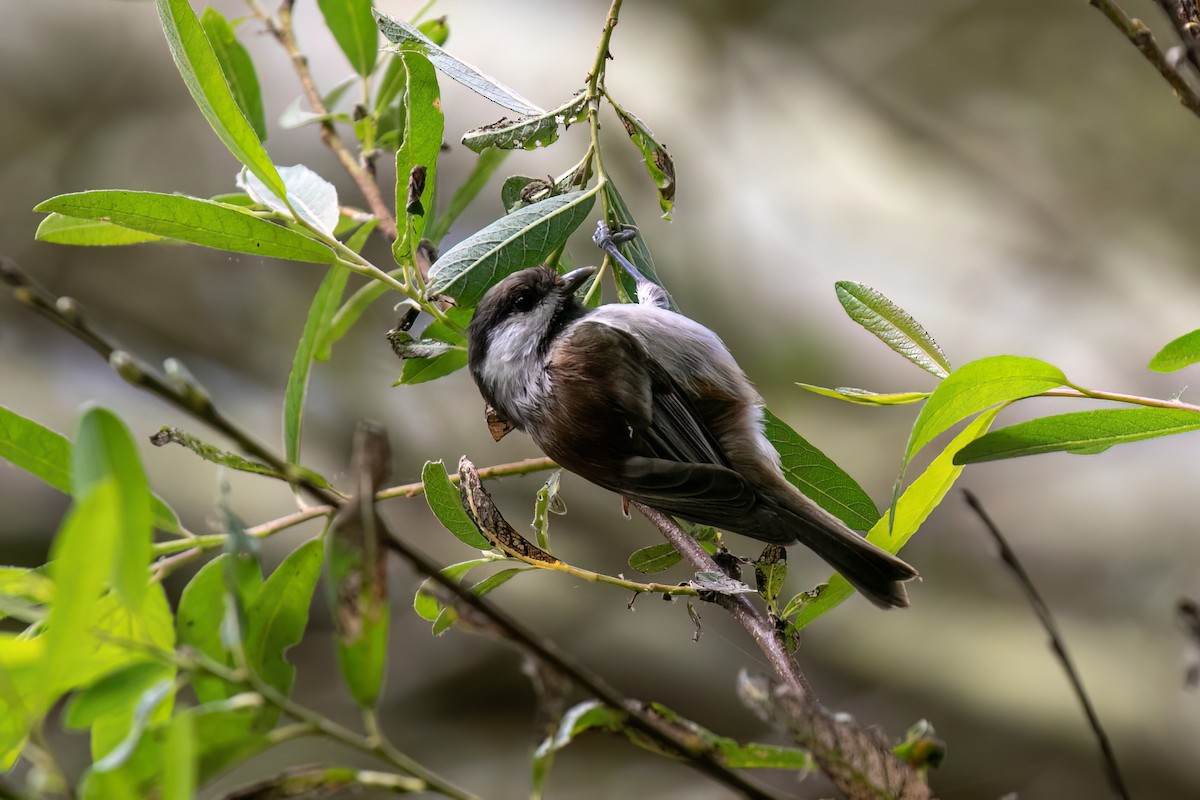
(649, 404)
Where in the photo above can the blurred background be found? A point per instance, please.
(1013, 174)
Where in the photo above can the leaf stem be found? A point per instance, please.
(1117, 397)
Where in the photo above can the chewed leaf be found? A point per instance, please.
(404, 35)
(658, 161)
(866, 398)
(313, 198)
(1178, 353)
(893, 326)
(521, 239)
(529, 132)
(1083, 433)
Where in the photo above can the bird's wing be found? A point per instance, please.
(676, 463)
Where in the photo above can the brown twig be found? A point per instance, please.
(282, 30)
(1143, 39)
(768, 639)
(1057, 644)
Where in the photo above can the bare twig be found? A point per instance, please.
(281, 29)
(1137, 32)
(1183, 15)
(1057, 644)
(1189, 614)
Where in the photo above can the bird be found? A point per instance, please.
(650, 404)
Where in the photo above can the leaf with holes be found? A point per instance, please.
(530, 132)
(658, 161)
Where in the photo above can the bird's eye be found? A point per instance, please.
(524, 302)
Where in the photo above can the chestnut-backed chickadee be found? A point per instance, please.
(651, 405)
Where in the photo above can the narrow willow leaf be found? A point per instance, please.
(655, 558)
(106, 453)
(424, 127)
(179, 765)
(201, 71)
(978, 385)
(658, 161)
(448, 615)
(404, 35)
(734, 754)
(24, 699)
(320, 315)
(147, 703)
(191, 219)
(350, 313)
(1178, 353)
(46, 454)
(485, 166)
(58, 229)
(82, 560)
(893, 326)
(912, 509)
(636, 249)
(446, 504)
(866, 398)
(521, 239)
(313, 199)
(585, 716)
(1083, 432)
(353, 27)
(422, 370)
(815, 474)
(279, 614)
(237, 67)
(216, 455)
(529, 132)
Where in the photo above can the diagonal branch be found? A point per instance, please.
(1057, 644)
(1143, 39)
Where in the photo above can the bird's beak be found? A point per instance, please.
(576, 278)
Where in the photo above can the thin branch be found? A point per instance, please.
(523, 467)
(1137, 32)
(1117, 397)
(1057, 644)
(768, 639)
(363, 177)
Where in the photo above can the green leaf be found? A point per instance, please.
(1178, 353)
(406, 36)
(863, 397)
(352, 26)
(201, 71)
(350, 312)
(521, 239)
(446, 504)
(191, 219)
(815, 474)
(893, 326)
(978, 385)
(277, 617)
(198, 621)
(912, 509)
(46, 454)
(358, 600)
(636, 249)
(424, 125)
(82, 559)
(149, 700)
(485, 166)
(237, 67)
(421, 370)
(655, 558)
(105, 452)
(310, 198)
(296, 116)
(1083, 432)
(179, 765)
(24, 698)
(658, 161)
(58, 229)
(426, 604)
(320, 315)
(528, 132)
(114, 692)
